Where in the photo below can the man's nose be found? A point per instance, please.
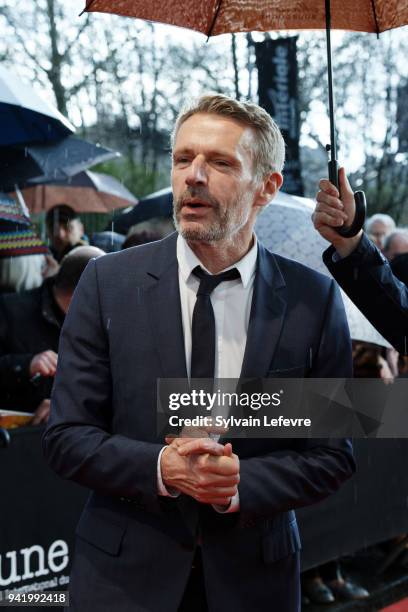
(197, 172)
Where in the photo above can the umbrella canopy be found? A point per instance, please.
(285, 228)
(157, 204)
(56, 161)
(25, 117)
(17, 236)
(214, 17)
(84, 192)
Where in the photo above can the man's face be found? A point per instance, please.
(378, 233)
(213, 179)
(398, 246)
(63, 234)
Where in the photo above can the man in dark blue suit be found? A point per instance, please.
(195, 524)
(359, 267)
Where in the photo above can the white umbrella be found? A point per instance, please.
(25, 117)
(285, 228)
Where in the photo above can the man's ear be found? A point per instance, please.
(269, 188)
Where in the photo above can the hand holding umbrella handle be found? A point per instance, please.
(360, 202)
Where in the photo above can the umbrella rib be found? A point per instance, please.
(87, 7)
(214, 19)
(375, 17)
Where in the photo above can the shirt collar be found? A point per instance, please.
(188, 260)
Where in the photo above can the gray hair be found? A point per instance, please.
(382, 218)
(21, 273)
(268, 154)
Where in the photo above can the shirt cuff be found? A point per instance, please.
(161, 488)
(233, 507)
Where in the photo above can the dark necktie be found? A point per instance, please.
(203, 326)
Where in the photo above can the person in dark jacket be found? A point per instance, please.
(65, 230)
(166, 528)
(359, 267)
(30, 325)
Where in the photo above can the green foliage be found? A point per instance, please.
(138, 178)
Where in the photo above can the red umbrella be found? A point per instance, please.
(212, 17)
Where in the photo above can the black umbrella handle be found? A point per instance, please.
(359, 200)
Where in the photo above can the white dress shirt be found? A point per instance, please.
(231, 302)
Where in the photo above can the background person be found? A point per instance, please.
(24, 258)
(30, 325)
(378, 227)
(396, 243)
(65, 230)
(359, 267)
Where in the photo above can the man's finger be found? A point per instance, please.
(329, 200)
(202, 432)
(201, 445)
(321, 219)
(331, 210)
(53, 358)
(328, 187)
(49, 361)
(43, 367)
(218, 492)
(228, 450)
(219, 465)
(345, 187)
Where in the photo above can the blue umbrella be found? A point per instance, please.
(56, 161)
(25, 117)
(157, 204)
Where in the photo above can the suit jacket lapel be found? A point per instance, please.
(163, 298)
(267, 316)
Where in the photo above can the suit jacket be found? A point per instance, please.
(123, 331)
(367, 278)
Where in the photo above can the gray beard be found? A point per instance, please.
(219, 230)
(214, 233)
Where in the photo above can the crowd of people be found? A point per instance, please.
(37, 283)
(32, 310)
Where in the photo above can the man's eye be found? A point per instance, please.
(181, 160)
(221, 162)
